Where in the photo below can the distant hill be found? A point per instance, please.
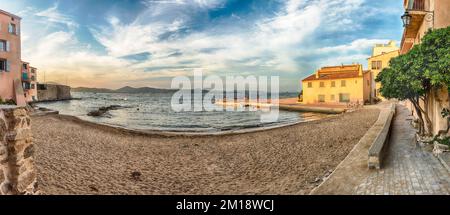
(91, 90)
(126, 89)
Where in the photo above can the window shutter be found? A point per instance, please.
(8, 66)
(8, 46)
(17, 30)
(10, 28)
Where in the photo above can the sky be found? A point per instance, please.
(145, 43)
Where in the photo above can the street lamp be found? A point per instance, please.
(406, 18)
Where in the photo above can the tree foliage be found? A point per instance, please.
(412, 76)
(434, 56)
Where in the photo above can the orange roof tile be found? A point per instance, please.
(336, 72)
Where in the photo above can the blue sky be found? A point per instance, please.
(112, 43)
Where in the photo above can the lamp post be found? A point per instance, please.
(406, 18)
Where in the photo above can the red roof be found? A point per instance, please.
(336, 72)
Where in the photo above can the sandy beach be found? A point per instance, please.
(73, 157)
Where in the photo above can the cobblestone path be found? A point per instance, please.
(408, 170)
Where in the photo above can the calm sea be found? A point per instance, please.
(153, 112)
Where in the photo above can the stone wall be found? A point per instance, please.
(53, 92)
(16, 152)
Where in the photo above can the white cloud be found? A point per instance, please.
(266, 45)
(52, 15)
(199, 3)
(356, 45)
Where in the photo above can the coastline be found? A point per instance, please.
(169, 133)
(78, 157)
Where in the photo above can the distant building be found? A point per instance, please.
(338, 85)
(381, 55)
(10, 58)
(53, 92)
(17, 78)
(29, 82)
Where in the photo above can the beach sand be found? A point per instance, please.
(73, 157)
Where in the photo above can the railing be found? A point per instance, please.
(418, 5)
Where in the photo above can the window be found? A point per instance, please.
(33, 86)
(13, 29)
(321, 98)
(333, 84)
(343, 83)
(42, 87)
(4, 46)
(376, 65)
(4, 65)
(309, 84)
(26, 86)
(332, 98)
(25, 66)
(322, 84)
(344, 97)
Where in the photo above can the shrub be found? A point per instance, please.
(7, 102)
(444, 141)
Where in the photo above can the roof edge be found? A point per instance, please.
(384, 54)
(10, 14)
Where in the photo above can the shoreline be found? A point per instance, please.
(168, 133)
(78, 157)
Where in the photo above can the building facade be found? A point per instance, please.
(10, 57)
(425, 15)
(29, 82)
(381, 55)
(343, 85)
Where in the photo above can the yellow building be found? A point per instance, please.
(338, 85)
(381, 55)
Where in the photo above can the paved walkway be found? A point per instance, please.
(407, 169)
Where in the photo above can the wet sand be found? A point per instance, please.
(73, 157)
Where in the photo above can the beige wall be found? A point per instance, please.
(14, 56)
(54, 92)
(441, 13)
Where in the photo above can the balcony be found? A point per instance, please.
(25, 77)
(417, 9)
